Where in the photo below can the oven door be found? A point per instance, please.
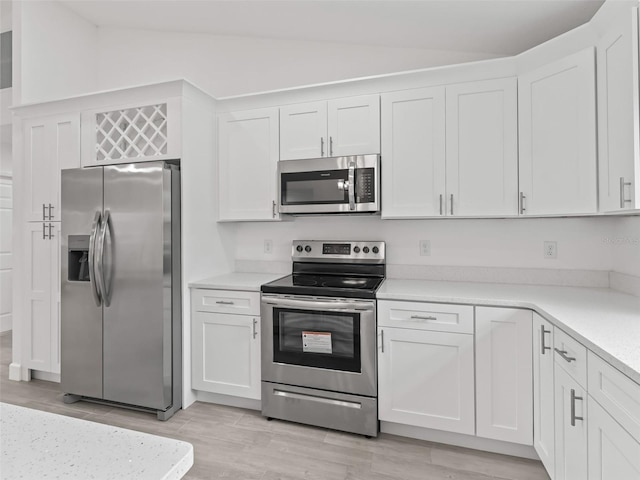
(324, 343)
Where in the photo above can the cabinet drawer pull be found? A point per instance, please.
(331, 146)
(451, 204)
(542, 345)
(273, 208)
(563, 354)
(50, 210)
(224, 302)
(573, 408)
(44, 231)
(51, 235)
(322, 146)
(440, 204)
(523, 197)
(419, 317)
(255, 332)
(382, 341)
(44, 215)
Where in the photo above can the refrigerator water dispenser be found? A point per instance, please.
(78, 258)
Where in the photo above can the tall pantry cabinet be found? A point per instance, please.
(49, 144)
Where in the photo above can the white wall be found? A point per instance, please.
(58, 52)
(624, 240)
(455, 242)
(226, 65)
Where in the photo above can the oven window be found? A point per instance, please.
(313, 187)
(317, 339)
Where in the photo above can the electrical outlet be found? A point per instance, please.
(550, 249)
(268, 246)
(425, 248)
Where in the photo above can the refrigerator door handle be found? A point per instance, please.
(105, 289)
(97, 221)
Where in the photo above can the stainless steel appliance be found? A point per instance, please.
(330, 185)
(319, 337)
(121, 318)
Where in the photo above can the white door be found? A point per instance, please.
(543, 398)
(571, 427)
(6, 254)
(613, 453)
(504, 374)
(50, 144)
(618, 116)
(248, 158)
(413, 153)
(482, 148)
(557, 127)
(38, 296)
(303, 131)
(354, 125)
(227, 354)
(425, 379)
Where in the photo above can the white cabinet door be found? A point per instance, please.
(42, 296)
(613, 453)
(425, 379)
(226, 354)
(557, 126)
(303, 131)
(504, 374)
(571, 427)
(413, 153)
(50, 144)
(543, 398)
(354, 125)
(248, 158)
(482, 148)
(618, 117)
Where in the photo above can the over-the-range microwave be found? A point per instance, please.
(348, 184)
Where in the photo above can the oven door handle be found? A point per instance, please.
(316, 305)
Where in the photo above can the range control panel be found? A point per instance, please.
(338, 251)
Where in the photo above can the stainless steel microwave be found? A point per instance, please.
(330, 185)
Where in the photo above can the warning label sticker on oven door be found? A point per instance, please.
(316, 342)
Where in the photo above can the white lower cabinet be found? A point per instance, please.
(225, 346)
(570, 427)
(504, 395)
(614, 454)
(543, 398)
(425, 379)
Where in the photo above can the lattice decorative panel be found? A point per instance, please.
(131, 133)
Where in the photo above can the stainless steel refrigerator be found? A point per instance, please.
(121, 315)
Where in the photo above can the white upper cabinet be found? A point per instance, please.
(345, 126)
(50, 145)
(618, 116)
(557, 126)
(248, 158)
(413, 153)
(478, 174)
(482, 148)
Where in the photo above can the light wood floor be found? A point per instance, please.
(233, 443)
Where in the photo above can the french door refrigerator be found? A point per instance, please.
(121, 320)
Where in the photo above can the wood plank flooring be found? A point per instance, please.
(233, 443)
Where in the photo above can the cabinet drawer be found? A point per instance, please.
(426, 316)
(225, 301)
(617, 393)
(571, 355)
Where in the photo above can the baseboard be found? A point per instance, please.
(459, 440)
(228, 400)
(16, 373)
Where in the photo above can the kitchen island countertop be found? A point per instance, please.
(37, 444)
(605, 321)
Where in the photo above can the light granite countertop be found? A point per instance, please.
(248, 282)
(603, 320)
(37, 444)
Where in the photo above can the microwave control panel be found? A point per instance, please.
(365, 185)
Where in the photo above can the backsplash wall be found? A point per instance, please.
(582, 242)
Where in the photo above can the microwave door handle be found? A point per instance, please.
(352, 186)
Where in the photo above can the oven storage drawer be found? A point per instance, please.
(225, 301)
(436, 317)
(339, 411)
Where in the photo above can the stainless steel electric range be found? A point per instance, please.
(319, 337)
